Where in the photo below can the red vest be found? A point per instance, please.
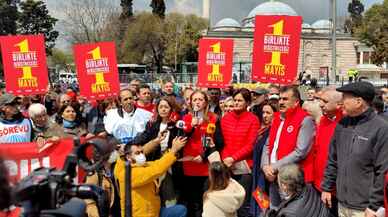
(288, 138)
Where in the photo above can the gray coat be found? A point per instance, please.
(358, 160)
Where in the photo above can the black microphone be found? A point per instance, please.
(180, 125)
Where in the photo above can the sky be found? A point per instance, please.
(310, 10)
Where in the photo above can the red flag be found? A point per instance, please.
(215, 63)
(97, 70)
(22, 158)
(24, 60)
(276, 49)
(261, 198)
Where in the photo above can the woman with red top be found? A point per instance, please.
(240, 129)
(195, 167)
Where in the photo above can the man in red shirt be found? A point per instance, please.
(290, 141)
(145, 98)
(330, 103)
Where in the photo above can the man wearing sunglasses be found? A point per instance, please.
(14, 127)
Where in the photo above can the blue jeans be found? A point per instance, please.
(173, 211)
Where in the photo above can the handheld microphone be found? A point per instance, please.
(210, 130)
(180, 125)
(196, 111)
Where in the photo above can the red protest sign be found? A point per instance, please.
(25, 67)
(22, 158)
(97, 69)
(215, 62)
(276, 49)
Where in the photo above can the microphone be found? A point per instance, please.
(196, 111)
(210, 130)
(180, 125)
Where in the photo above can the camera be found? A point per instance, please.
(49, 192)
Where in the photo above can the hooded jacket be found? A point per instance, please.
(224, 203)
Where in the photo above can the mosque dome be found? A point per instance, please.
(227, 24)
(270, 8)
(322, 26)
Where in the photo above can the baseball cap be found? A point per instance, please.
(6, 98)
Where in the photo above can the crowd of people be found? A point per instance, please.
(205, 151)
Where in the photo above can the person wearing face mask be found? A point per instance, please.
(102, 176)
(14, 127)
(300, 199)
(69, 118)
(159, 135)
(144, 181)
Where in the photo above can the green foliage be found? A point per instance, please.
(158, 7)
(152, 40)
(9, 15)
(60, 58)
(374, 31)
(355, 9)
(127, 9)
(35, 19)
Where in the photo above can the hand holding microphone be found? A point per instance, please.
(196, 120)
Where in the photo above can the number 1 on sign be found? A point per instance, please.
(277, 30)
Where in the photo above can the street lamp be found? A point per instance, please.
(334, 40)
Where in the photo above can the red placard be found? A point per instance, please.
(215, 62)
(276, 49)
(97, 70)
(22, 158)
(25, 67)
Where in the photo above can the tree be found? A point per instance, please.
(35, 19)
(355, 9)
(126, 9)
(85, 20)
(144, 41)
(373, 31)
(60, 59)
(158, 7)
(9, 15)
(184, 33)
(152, 40)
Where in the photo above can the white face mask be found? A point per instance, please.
(140, 159)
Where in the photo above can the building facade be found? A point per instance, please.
(315, 54)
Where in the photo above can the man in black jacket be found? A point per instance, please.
(301, 200)
(357, 156)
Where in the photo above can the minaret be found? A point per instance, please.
(206, 9)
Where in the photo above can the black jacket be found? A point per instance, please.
(150, 133)
(306, 204)
(358, 159)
